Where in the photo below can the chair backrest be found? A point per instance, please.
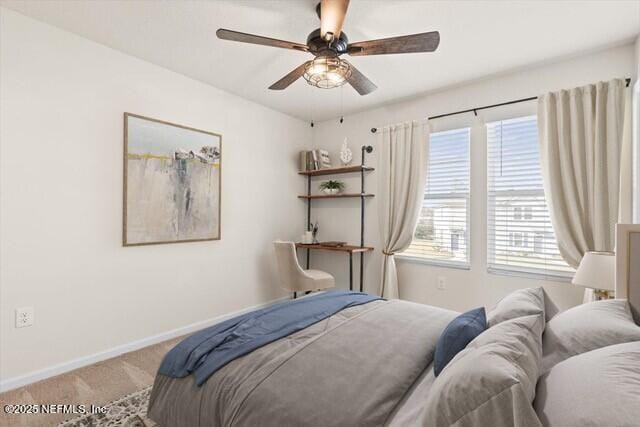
(290, 271)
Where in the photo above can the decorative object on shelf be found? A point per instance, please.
(315, 160)
(597, 271)
(314, 232)
(307, 238)
(306, 162)
(312, 160)
(346, 156)
(332, 187)
(324, 158)
(171, 182)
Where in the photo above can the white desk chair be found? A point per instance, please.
(292, 277)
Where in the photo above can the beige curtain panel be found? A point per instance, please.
(402, 169)
(585, 149)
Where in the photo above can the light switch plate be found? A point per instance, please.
(24, 317)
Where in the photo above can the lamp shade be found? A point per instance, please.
(596, 271)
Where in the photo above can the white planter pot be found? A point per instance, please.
(330, 191)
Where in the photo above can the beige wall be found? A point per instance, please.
(339, 220)
(61, 106)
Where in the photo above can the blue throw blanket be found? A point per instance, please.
(204, 352)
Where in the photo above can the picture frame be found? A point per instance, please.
(172, 183)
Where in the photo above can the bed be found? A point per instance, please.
(371, 364)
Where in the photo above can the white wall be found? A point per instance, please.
(636, 136)
(339, 220)
(638, 57)
(61, 114)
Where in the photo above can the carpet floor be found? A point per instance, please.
(98, 384)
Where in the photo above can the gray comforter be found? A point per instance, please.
(353, 368)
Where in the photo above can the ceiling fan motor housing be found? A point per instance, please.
(319, 46)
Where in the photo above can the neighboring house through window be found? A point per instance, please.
(441, 235)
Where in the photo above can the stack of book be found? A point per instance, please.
(314, 160)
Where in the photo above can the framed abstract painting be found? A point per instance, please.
(172, 182)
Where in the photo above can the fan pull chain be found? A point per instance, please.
(313, 102)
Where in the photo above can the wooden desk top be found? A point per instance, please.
(344, 248)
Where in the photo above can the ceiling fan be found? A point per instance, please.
(327, 43)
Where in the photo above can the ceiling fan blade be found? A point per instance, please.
(237, 36)
(423, 42)
(332, 14)
(359, 81)
(286, 81)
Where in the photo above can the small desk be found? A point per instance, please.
(350, 249)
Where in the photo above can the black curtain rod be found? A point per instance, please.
(475, 110)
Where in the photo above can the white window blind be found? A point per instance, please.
(442, 234)
(520, 234)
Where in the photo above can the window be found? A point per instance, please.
(517, 212)
(441, 235)
(520, 235)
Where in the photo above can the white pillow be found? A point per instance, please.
(597, 388)
(492, 381)
(523, 302)
(587, 327)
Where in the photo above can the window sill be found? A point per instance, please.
(433, 262)
(530, 275)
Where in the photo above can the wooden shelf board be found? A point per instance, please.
(335, 171)
(344, 248)
(336, 196)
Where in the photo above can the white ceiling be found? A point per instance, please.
(477, 39)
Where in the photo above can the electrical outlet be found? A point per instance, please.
(442, 282)
(24, 317)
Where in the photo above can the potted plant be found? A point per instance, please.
(332, 187)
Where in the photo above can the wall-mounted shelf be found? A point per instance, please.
(336, 171)
(335, 196)
(362, 195)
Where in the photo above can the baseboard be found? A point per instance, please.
(61, 368)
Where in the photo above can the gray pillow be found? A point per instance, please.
(597, 388)
(523, 302)
(492, 381)
(587, 327)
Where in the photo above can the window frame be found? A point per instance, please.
(506, 270)
(460, 265)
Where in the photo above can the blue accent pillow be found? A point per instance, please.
(455, 337)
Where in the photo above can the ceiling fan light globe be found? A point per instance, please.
(335, 77)
(327, 72)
